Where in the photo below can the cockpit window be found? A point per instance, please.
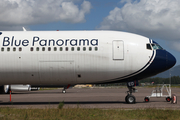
(156, 47)
(153, 46)
(148, 46)
(0, 33)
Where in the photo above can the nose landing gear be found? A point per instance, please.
(130, 98)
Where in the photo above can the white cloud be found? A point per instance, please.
(152, 18)
(27, 12)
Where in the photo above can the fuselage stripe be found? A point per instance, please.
(135, 73)
(140, 69)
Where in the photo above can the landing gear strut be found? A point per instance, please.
(130, 98)
(65, 87)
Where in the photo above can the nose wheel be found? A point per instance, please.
(64, 91)
(130, 99)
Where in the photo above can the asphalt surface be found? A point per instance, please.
(105, 98)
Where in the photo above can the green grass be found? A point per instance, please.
(87, 114)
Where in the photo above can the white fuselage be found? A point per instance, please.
(71, 57)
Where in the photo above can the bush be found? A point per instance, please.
(61, 104)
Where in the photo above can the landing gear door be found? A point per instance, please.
(133, 83)
(118, 50)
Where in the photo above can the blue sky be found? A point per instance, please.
(100, 9)
(156, 19)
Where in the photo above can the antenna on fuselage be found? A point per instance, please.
(24, 29)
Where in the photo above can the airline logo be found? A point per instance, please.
(36, 41)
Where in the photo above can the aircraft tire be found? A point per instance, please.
(174, 99)
(64, 91)
(126, 99)
(168, 99)
(131, 99)
(146, 99)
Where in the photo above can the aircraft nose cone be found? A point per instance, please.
(171, 60)
(162, 62)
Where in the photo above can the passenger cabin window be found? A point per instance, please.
(20, 49)
(78, 48)
(148, 46)
(8, 49)
(55, 48)
(49, 48)
(2, 49)
(96, 48)
(14, 49)
(84, 48)
(31, 48)
(66, 48)
(43, 48)
(90, 48)
(72, 48)
(61, 49)
(37, 49)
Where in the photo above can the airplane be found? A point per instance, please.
(67, 58)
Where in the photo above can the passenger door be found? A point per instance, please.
(118, 50)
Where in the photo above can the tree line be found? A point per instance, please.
(158, 80)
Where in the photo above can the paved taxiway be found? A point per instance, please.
(107, 98)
